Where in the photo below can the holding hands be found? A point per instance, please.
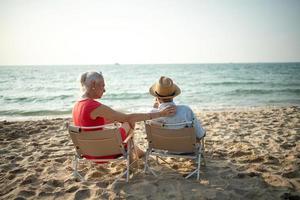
(168, 111)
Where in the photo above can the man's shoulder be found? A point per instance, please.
(183, 107)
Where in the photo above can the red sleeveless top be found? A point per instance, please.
(82, 113)
(82, 117)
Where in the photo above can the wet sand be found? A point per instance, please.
(250, 154)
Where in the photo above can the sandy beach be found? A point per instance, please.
(250, 154)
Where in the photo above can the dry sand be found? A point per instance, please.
(250, 154)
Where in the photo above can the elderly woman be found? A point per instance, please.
(89, 112)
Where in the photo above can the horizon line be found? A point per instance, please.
(179, 63)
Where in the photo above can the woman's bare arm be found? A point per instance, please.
(113, 115)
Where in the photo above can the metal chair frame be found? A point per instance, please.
(76, 131)
(156, 128)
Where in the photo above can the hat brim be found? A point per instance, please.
(153, 93)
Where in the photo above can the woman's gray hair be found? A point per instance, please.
(87, 78)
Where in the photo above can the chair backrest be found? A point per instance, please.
(96, 143)
(174, 140)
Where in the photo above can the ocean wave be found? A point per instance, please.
(47, 90)
(34, 98)
(33, 113)
(17, 99)
(264, 91)
(125, 96)
(60, 97)
(234, 83)
(290, 101)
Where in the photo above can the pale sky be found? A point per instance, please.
(47, 32)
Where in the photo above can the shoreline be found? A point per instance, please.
(250, 154)
(196, 110)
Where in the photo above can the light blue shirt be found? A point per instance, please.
(183, 114)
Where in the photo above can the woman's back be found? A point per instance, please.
(82, 113)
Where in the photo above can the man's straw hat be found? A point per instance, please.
(164, 88)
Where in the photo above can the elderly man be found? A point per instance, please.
(165, 90)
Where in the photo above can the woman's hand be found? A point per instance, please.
(168, 111)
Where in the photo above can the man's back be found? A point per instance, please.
(183, 114)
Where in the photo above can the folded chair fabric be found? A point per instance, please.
(100, 144)
(180, 143)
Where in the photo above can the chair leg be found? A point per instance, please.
(162, 160)
(198, 167)
(146, 161)
(75, 172)
(193, 172)
(147, 167)
(202, 152)
(126, 172)
(197, 170)
(120, 176)
(128, 160)
(151, 170)
(75, 164)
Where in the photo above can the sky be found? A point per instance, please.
(54, 32)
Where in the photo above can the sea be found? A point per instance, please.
(37, 92)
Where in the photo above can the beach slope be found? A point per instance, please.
(250, 154)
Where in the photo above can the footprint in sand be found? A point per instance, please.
(291, 174)
(272, 160)
(60, 160)
(82, 194)
(290, 196)
(29, 179)
(287, 145)
(55, 183)
(95, 175)
(249, 174)
(26, 193)
(17, 170)
(45, 194)
(11, 176)
(102, 184)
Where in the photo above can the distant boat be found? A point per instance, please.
(117, 64)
